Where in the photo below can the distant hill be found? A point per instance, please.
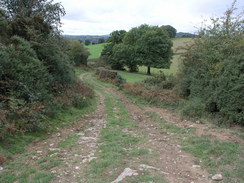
(184, 34)
(92, 38)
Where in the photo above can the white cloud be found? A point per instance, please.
(104, 16)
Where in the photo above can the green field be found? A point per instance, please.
(133, 77)
(178, 44)
(95, 50)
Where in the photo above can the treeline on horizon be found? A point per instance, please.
(37, 78)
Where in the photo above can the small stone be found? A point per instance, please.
(77, 168)
(51, 145)
(1, 168)
(80, 134)
(39, 152)
(217, 177)
(196, 166)
(58, 134)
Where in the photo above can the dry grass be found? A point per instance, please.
(139, 89)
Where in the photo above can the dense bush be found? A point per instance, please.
(37, 79)
(161, 81)
(111, 76)
(213, 70)
(78, 54)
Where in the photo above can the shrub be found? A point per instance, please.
(111, 76)
(212, 69)
(161, 81)
(193, 108)
(78, 54)
(79, 101)
(151, 94)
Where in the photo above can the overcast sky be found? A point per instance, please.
(99, 17)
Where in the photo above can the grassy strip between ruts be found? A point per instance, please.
(117, 146)
(212, 154)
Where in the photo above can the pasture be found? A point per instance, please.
(178, 49)
(95, 50)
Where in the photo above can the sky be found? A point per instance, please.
(101, 17)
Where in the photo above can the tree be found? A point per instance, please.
(152, 46)
(124, 55)
(78, 54)
(170, 30)
(154, 49)
(116, 37)
(87, 42)
(101, 40)
(3, 25)
(50, 11)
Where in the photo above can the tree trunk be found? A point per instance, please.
(148, 70)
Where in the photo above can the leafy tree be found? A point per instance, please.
(116, 37)
(87, 42)
(212, 69)
(154, 49)
(170, 30)
(101, 40)
(152, 46)
(135, 33)
(124, 55)
(3, 26)
(78, 54)
(47, 9)
(31, 28)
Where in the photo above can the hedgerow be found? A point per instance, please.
(212, 72)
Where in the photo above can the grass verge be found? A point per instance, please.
(212, 154)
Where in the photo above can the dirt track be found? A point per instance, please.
(170, 161)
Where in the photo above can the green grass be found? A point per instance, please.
(178, 44)
(116, 146)
(95, 50)
(69, 142)
(212, 154)
(133, 77)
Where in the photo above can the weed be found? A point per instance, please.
(50, 164)
(69, 142)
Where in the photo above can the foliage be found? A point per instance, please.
(110, 76)
(124, 55)
(3, 25)
(154, 49)
(87, 42)
(170, 30)
(161, 81)
(78, 54)
(101, 40)
(37, 79)
(115, 38)
(50, 11)
(143, 45)
(213, 66)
